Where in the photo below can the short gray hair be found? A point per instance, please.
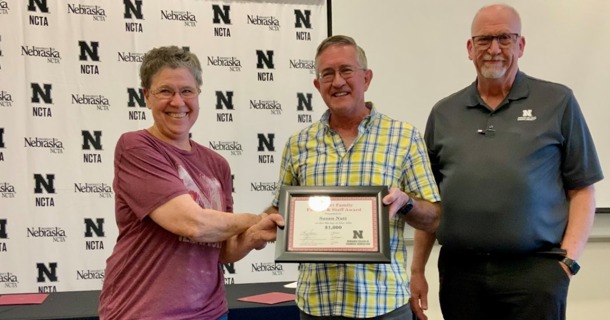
(172, 57)
(341, 40)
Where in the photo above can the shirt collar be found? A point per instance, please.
(518, 91)
(364, 123)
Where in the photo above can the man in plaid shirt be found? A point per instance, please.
(355, 145)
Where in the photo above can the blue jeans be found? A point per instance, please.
(402, 313)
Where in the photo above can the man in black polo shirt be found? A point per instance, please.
(516, 165)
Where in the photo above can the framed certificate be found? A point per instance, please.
(333, 224)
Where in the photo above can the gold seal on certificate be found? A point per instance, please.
(333, 224)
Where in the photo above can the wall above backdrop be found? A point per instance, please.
(417, 50)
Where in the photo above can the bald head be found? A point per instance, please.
(496, 46)
(495, 15)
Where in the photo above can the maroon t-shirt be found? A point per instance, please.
(153, 273)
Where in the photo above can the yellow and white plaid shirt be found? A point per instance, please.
(386, 152)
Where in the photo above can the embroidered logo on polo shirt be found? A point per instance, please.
(527, 116)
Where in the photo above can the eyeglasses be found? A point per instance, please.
(346, 72)
(504, 40)
(168, 93)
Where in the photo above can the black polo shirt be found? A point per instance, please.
(503, 173)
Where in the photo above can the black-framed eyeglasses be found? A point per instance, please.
(346, 72)
(504, 40)
(168, 93)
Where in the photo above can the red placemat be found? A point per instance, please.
(269, 298)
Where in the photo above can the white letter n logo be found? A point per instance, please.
(527, 113)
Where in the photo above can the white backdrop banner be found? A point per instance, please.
(69, 87)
